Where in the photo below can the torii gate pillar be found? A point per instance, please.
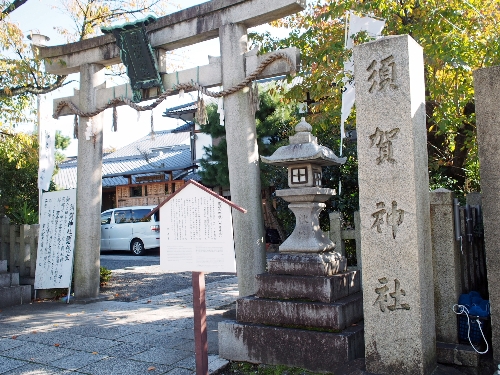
(89, 188)
(243, 156)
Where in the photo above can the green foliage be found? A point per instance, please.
(61, 143)
(457, 37)
(245, 368)
(23, 215)
(105, 275)
(19, 176)
(215, 167)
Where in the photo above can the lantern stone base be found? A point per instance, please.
(307, 237)
(322, 264)
(325, 289)
(307, 313)
(334, 316)
(311, 350)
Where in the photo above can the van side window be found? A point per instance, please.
(138, 215)
(105, 218)
(123, 216)
(157, 216)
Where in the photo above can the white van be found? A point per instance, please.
(126, 229)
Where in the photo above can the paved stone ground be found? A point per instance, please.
(142, 282)
(151, 335)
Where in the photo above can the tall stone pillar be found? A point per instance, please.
(446, 265)
(89, 187)
(398, 298)
(487, 94)
(243, 158)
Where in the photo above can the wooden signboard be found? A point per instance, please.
(197, 231)
(197, 235)
(54, 262)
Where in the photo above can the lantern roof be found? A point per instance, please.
(303, 148)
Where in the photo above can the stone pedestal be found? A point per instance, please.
(306, 204)
(307, 313)
(398, 289)
(487, 94)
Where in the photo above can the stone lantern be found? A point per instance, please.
(308, 308)
(304, 159)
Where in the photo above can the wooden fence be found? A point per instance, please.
(471, 235)
(18, 246)
(339, 234)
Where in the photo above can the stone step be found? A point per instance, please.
(311, 350)
(9, 279)
(458, 355)
(313, 288)
(334, 316)
(3, 266)
(324, 264)
(15, 295)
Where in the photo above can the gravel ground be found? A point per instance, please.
(134, 283)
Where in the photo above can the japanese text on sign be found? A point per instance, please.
(383, 141)
(196, 232)
(394, 217)
(56, 242)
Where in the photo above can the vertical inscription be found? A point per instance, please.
(203, 222)
(383, 141)
(396, 296)
(382, 74)
(56, 242)
(394, 217)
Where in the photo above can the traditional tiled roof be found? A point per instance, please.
(167, 152)
(188, 126)
(162, 139)
(184, 112)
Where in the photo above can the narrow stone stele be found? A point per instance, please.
(398, 290)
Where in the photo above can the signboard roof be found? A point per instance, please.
(204, 188)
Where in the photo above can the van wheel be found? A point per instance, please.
(137, 247)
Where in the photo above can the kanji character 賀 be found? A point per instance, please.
(383, 141)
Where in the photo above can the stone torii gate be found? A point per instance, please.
(226, 19)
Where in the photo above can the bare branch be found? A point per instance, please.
(12, 7)
(33, 89)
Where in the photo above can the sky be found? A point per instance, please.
(43, 16)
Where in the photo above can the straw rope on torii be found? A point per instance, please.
(178, 87)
